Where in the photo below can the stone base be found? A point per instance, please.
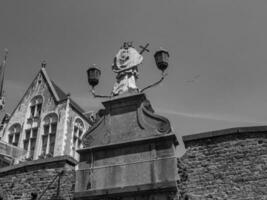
(160, 191)
(129, 152)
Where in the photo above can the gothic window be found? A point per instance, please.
(32, 126)
(14, 134)
(30, 140)
(36, 107)
(49, 136)
(78, 130)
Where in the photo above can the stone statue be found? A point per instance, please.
(125, 66)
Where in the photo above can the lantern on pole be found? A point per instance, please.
(93, 75)
(162, 59)
(162, 62)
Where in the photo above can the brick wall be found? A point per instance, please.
(226, 164)
(25, 180)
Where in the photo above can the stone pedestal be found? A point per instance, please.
(129, 154)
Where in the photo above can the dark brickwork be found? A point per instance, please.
(26, 180)
(226, 164)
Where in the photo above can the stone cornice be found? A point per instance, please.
(48, 163)
(133, 142)
(223, 132)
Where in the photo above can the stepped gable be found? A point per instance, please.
(125, 119)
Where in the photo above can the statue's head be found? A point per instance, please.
(127, 45)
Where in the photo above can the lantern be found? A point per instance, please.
(162, 58)
(93, 75)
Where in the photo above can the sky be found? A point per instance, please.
(218, 54)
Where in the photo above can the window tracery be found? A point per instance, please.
(14, 134)
(78, 131)
(36, 107)
(49, 134)
(30, 141)
(32, 126)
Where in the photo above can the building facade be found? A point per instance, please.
(46, 122)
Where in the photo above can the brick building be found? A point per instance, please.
(45, 123)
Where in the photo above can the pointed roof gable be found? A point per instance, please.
(50, 84)
(58, 94)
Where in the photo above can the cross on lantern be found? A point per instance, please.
(143, 49)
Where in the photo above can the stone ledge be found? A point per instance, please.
(48, 163)
(211, 134)
(132, 142)
(127, 191)
(124, 99)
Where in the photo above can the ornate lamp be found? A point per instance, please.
(162, 62)
(162, 58)
(93, 75)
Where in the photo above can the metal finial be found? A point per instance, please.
(6, 53)
(43, 64)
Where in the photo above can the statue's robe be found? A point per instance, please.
(125, 65)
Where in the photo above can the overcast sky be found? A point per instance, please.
(218, 54)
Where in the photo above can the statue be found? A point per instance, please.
(125, 66)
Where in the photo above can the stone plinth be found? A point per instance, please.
(130, 152)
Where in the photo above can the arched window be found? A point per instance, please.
(49, 136)
(30, 140)
(32, 125)
(36, 107)
(78, 130)
(14, 134)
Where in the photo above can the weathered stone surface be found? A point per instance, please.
(130, 153)
(132, 164)
(8, 152)
(125, 119)
(227, 164)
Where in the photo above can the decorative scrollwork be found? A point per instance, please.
(161, 123)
